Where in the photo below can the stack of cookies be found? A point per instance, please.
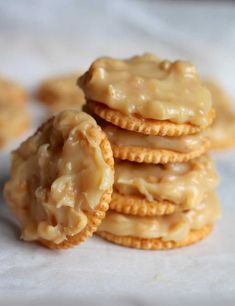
(154, 113)
(160, 188)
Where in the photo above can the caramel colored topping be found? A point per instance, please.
(58, 174)
(148, 87)
(182, 144)
(174, 227)
(184, 184)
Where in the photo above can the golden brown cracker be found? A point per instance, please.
(139, 206)
(156, 243)
(95, 217)
(146, 126)
(156, 156)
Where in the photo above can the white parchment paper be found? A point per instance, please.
(41, 38)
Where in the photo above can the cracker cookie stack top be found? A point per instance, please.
(154, 113)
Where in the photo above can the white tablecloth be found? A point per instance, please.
(41, 38)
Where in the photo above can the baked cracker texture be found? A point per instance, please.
(156, 243)
(156, 156)
(94, 217)
(139, 206)
(146, 126)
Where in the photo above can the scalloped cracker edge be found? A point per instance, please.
(146, 126)
(157, 243)
(156, 156)
(94, 217)
(139, 206)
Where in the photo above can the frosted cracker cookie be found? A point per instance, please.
(141, 148)
(61, 181)
(147, 95)
(147, 189)
(61, 93)
(162, 232)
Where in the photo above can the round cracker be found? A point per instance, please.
(139, 206)
(95, 217)
(16, 123)
(156, 243)
(146, 126)
(156, 156)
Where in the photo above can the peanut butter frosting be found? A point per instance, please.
(174, 227)
(148, 87)
(57, 176)
(181, 144)
(184, 184)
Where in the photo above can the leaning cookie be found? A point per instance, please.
(61, 93)
(141, 148)
(162, 232)
(61, 181)
(148, 95)
(222, 131)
